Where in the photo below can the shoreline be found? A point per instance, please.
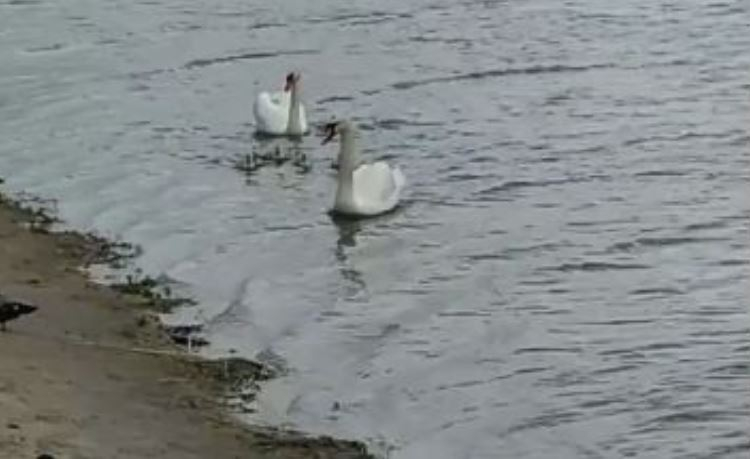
(93, 373)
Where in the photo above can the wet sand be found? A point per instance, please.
(91, 375)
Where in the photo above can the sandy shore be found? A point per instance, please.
(88, 376)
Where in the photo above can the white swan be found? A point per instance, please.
(363, 189)
(281, 113)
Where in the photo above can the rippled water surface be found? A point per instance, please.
(567, 276)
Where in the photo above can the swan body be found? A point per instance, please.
(282, 112)
(363, 189)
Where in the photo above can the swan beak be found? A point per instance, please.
(330, 132)
(292, 78)
(289, 82)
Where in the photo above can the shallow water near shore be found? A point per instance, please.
(567, 276)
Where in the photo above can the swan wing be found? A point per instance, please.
(377, 187)
(271, 112)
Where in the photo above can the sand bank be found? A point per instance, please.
(92, 375)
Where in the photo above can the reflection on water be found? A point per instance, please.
(271, 152)
(568, 276)
(348, 229)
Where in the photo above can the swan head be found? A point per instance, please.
(334, 128)
(292, 78)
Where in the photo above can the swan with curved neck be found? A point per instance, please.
(282, 113)
(362, 189)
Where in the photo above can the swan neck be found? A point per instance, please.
(347, 161)
(348, 155)
(293, 125)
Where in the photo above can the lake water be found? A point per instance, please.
(567, 277)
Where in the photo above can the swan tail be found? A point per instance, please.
(399, 180)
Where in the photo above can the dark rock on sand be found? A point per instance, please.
(10, 310)
(187, 335)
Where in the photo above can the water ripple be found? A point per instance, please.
(197, 63)
(496, 73)
(597, 266)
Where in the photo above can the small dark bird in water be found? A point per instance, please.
(10, 310)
